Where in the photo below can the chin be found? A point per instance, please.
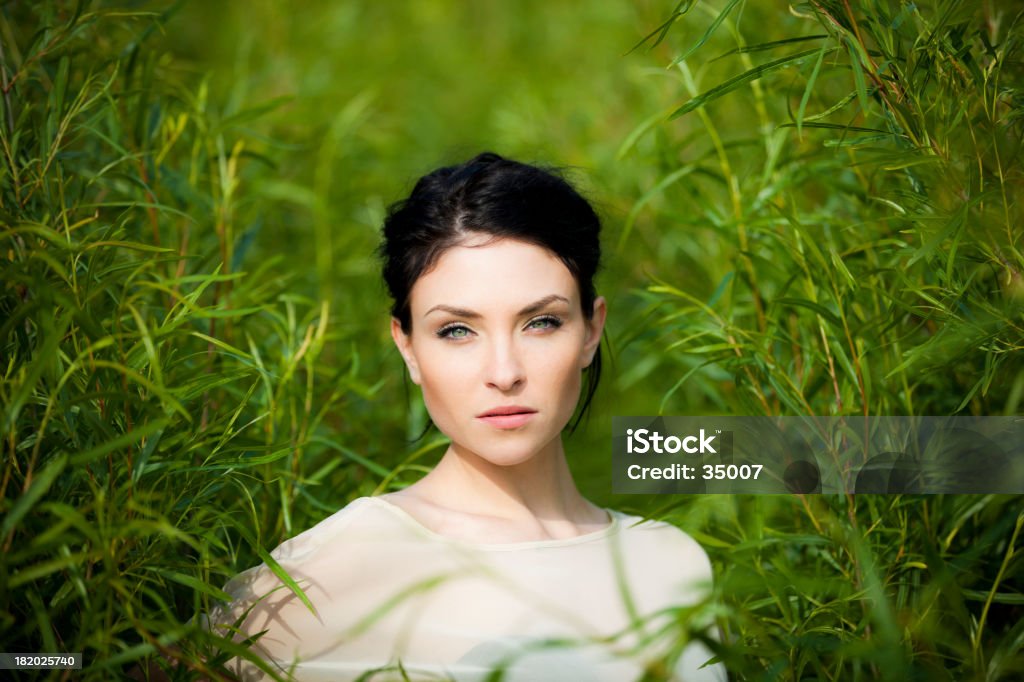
(506, 456)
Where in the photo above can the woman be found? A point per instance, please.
(493, 559)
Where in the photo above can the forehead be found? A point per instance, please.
(486, 273)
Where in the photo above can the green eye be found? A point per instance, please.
(455, 331)
(545, 323)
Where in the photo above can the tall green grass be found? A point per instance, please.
(836, 208)
(836, 213)
(169, 406)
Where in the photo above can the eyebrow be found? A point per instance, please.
(536, 306)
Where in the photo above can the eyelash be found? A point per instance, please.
(555, 322)
(445, 331)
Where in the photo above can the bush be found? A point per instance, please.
(836, 222)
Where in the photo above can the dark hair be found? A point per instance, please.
(494, 196)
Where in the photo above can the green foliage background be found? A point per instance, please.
(809, 209)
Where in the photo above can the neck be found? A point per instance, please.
(540, 487)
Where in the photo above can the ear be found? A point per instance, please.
(404, 344)
(595, 326)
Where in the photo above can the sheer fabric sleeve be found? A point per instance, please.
(274, 610)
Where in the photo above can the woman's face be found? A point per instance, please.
(498, 344)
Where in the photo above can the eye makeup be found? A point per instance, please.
(551, 322)
(448, 331)
(458, 330)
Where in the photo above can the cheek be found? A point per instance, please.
(559, 371)
(445, 381)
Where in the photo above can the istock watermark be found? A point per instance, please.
(647, 441)
(785, 455)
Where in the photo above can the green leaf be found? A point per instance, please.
(811, 305)
(1011, 598)
(354, 456)
(125, 439)
(682, 8)
(285, 578)
(708, 33)
(809, 89)
(771, 45)
(672, 177)
(638, 132)
(40, 485)
(34, 371)
(858, 76)
(742, 79)
(837, 126)
(191, 581)
(45, 568)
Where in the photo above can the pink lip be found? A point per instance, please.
(509, 417)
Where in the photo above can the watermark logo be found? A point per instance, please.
(807, 455)
(641, 441)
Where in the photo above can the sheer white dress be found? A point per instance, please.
(388, 591)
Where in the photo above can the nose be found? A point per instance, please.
(505, 370)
